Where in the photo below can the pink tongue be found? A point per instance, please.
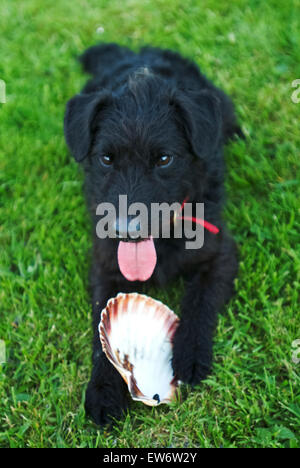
(137, 260)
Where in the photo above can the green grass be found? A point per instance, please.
(252, 398)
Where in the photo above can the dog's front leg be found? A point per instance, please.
(205, 295)
(106, 395)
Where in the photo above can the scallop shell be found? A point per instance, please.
(136, 334)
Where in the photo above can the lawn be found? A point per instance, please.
(252, 398)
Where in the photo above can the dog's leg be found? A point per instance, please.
(106, 395)
(204, 296)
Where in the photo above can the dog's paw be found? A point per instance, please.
(191, 359)
(104, 403)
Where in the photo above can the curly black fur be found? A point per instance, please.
(136, 106)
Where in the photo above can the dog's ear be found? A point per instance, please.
(78, 122)
(199, 115)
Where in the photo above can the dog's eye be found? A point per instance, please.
(106, 159)
(164, 160)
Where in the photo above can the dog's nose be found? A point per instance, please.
(128, 228)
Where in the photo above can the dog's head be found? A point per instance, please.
(149, 141)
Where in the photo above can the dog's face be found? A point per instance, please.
(139, 152)
(147, 141)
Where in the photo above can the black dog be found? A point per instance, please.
(151, 126)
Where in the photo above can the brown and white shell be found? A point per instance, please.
(136, 334)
